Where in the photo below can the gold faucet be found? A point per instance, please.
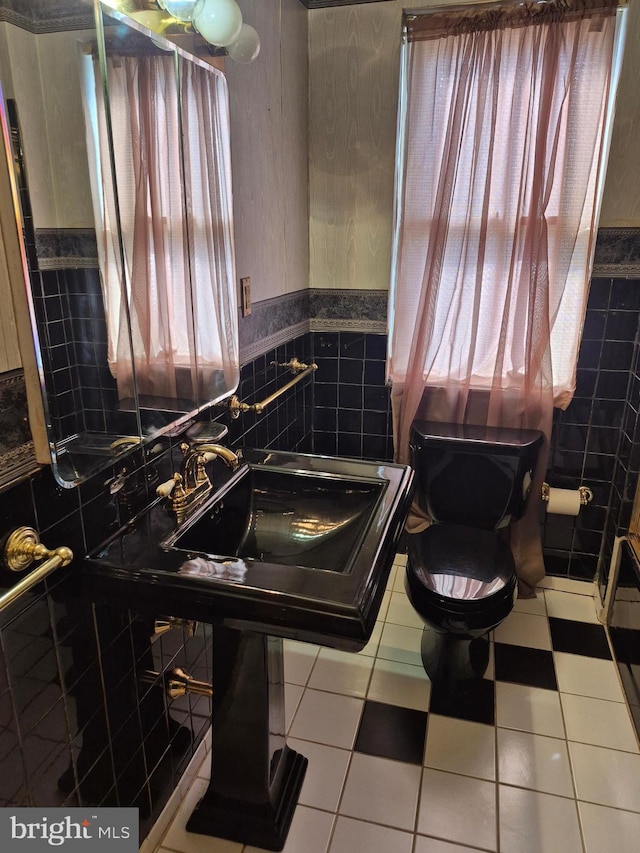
(192, 484)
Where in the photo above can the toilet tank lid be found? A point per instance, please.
(481, 437)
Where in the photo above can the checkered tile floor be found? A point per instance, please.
(541, 757)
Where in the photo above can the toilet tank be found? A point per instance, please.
(473, 475)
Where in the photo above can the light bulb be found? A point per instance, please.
(218, 21)
(247, 46)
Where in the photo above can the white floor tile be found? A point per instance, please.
(567, 585)
(400, 644)
(434, 845)
(325, 774)
(490, 670)
(461, 747)
(384, 605)
(529, 709)
(398, 583)
(341, 672)
(371, 649)
(352, 835)
(392, 578)
(588, 676)
(609, 829)
(535, 606)
(563, 605)
(292, 696)
(598, 722)
(401, 612)
(606, 776)
(381, 791)
(299, 659)
(534, 761)
(401, 684)
(458, 808)
(533, 822)
(524, 629)
(310, 832)
(400, 560)
(327, 718)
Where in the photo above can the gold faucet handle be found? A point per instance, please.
(202, 478)
(164, 489)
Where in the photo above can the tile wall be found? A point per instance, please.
(593, 440)
(351, 411)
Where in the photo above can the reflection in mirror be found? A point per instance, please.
(119, 225)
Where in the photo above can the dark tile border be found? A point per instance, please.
(617, 252)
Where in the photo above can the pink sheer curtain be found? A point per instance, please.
(504, 112)
(170, 312)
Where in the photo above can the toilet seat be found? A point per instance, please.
(460, 579)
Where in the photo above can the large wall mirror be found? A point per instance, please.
(120, 152)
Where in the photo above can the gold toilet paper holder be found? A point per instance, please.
(586, 495)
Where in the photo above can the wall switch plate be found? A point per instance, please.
(245, 290)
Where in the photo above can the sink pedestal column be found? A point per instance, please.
(255, 777)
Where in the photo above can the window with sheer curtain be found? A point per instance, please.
(502, 141)
(504, 118)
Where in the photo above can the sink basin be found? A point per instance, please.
(292, 518)
(292, 545)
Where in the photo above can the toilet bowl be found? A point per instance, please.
(473, 482)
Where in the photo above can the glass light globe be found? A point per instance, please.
(247, 46)
(218, 21)
(180, 9)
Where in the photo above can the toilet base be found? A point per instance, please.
(452, 660)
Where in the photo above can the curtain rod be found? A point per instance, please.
(480, 5)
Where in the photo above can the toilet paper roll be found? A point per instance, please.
(564, 501)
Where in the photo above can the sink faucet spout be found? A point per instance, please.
(188, 488)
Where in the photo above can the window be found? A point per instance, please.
(503, 134)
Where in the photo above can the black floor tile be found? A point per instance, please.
(475, 701)
(579, 638)
(533, 667)
(626, 643)
(392, 732)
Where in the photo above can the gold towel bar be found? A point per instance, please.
(23, 547)
(235, 406)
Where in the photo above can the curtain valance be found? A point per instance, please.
(442, 21)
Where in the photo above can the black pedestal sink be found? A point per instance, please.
(293, 545)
